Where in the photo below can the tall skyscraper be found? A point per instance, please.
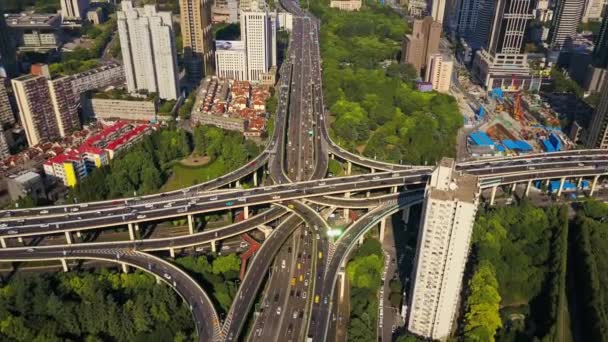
(147, 42)
(6, 112)
(438, 10)
(593, 10)
(600, 52)
(598, 128)
(74, 9)
(565, 21)
(259, 36)
(501, 62)
(35, 109)
(197, 36)
(443, 245)
(421, 43)
(7, 50)
(439, 71)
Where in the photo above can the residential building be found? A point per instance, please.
(346, 5)
(6, 111)
(448, 216)
(565, 21)
(437, 10)
(421, 43)
(96, 16)
(4, 148)
(65, 104)
(439, 71)
(598, 128)
(225, 11)
(197, 36)
(8, 60)
(416, 8)
(231, 59)
(148, 50)
(501, 62)
(74, 9)
(35, 32)
(36, 112)
(258, 34)
(592, 10)
(111, 109)
(24, 185)
(600, 52)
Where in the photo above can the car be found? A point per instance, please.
(3, 225)
(376, 178)
(229, 203)
(200, 249)
(290, 206)
(182, 210)
(276, 197)
(290, 328)
(214, 198)
(299, 265)
(293, 281)
(42, 212)
(225, 247)
(139, 217)
(31, 250)
(325, 300)
(242, 199)
(167, 276)
(321, 183)
(301, 278)
(168, 205)
(44, 225)
(276, 297)
(244, 244)
(305, 282)
(283, 263)
(279, 310)
(320, 255)
(317, 299)
(74, 209)
(303, 294)
(295, 314)
(258, 332)
(11, 232)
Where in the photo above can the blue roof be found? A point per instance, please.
(480, 138)
(523, 146)
(510, 144)
(548, 146)
(500, 148)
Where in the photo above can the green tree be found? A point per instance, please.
(482, 318)
(226, 264)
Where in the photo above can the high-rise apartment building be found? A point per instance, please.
(258, 33)
(7, 50)
(600, 52)
(197, 36)
(421, 43)
(597, 136)
(592, 10)
(6, 112)
(443, 245)
(439, 71)
(501, 62)
(74, 9)
(4, 149)
(148, 50)
(565, 21)
(36, 110)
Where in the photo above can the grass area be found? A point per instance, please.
(184, 176)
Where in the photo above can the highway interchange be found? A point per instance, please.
(297, 263)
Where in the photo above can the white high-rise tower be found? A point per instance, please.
(443, 246)
(147, 42)
(259, 35)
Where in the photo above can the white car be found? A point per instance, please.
(167, 276)
(139, 217)
(279, 310)
(213, 198)
(283, 264)
(42, 212)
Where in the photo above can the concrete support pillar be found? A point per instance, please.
(361, 239)
(125, 268)
(191, 224)
(20, 239)
(593, 185)
(68, 238)
(579, 183)
(394, 189)
(382, 229)
(238, 183)
(265, 229)
(513, 187)
(493, 195)
(406, 215)
(342, 284)
(64, 264)
(246, 212)
(136, 226)
(172, 252)
(332, 156)
(346, 211)
(3, 242)
(131, 232)
(78, 234)
(561, 186)
(255, 178)
(213, 248)
(373, 170)
(547, 183)
(368, 194)
(349, 168)
(528, 188)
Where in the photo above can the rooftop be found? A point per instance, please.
(32, 20)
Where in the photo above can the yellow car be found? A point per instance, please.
(316, 299)
(290, 206)
(293, 281)
(299, 265)
(301, 278)
(320, 255)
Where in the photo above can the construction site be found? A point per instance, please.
(516, 123)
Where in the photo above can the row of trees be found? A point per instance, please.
(591, 269)
(518, 261)
(100, 306)
(218, 275)
(143, 169)
(229, 146)
(376, 109)
(364, 273)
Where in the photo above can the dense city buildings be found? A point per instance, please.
(439, 71)
(34, 32)
(501, 62)
(74, 9)
(6, 112)
(225, 11)
(197, 37)
(598, 129)
(565, 21)
(421, 43)
(231, 59)
(149, 57)
(36, 112)
(258, 33)
(441, 253)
